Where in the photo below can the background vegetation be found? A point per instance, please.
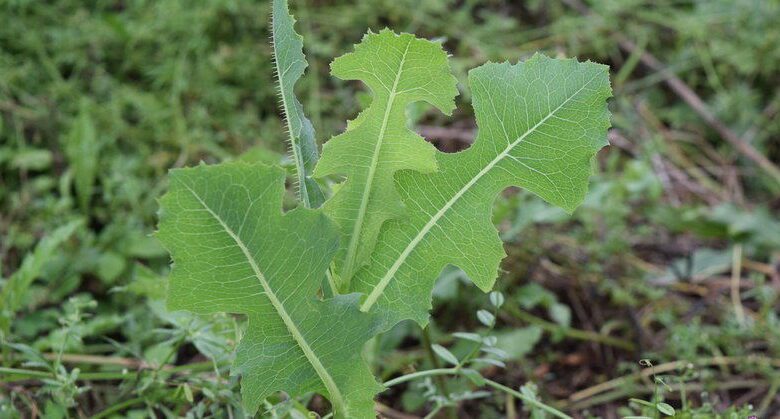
(674, 260)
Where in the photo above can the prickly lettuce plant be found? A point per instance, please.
(401, 214)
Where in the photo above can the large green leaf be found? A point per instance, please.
(290, 65)
(234, 251)
(540, 124)
(399, 70)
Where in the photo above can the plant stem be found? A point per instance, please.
(629, 380)
(421, 374)
(736, 276)
(441, 384)
(25, 374)
(633, 389)
(433, 412)
(490, 383)
(568, 331)
(95, 360)
(526, 399)
(767, 400)
(118, 407)
(426, 341)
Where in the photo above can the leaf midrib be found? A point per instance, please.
(354, 239)
(372, 297)
(330, 384)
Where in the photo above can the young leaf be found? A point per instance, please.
(540, 124)
(399, 70)
(487, 318)
(290, 65)
(445, 354)
(474, 337)
(665, 408)
(474, 376)
(82, 149)
(234, 251)
(490, 340)
(489, 361)
(497, 299)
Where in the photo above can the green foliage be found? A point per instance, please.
(399, 70)
(290, 65)
(82, 149)
(540, 123)
(235, 252)
(13, 294)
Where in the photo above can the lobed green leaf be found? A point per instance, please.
(399, 70)
(540, 124)
(234, 251)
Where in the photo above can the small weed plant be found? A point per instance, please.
(380, 214)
